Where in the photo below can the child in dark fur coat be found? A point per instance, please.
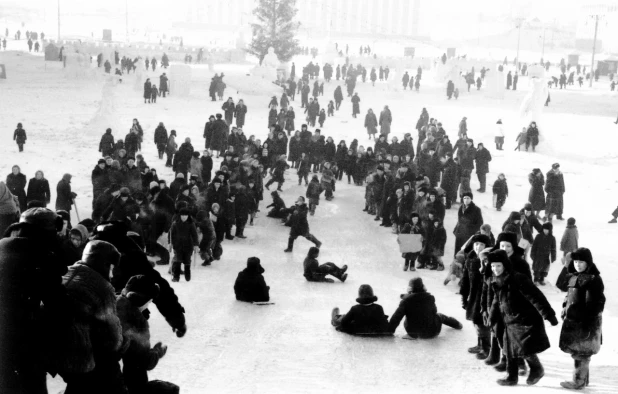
(366, 317)
(501, 192)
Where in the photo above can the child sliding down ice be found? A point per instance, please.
(250, 285)
(366, 317)
(314, 272)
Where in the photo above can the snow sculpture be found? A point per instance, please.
(180, 80)
(138, 85)
(531, 108)
(268, 68)
(76, 64)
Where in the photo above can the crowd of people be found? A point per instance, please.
(139, 221)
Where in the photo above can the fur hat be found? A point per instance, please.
(414, 215)
(416, 285)
(42, 218)
(64, 215)
(571, 222)
(548, 226)
(100, 255)
(184, 212)
(125, 192)
(514, 216)
(582, 254)
(480, 238)
(101, 161)
(500, 256)
(140, 289)
(216, 180)
(253, 264)
(528, 207)
(468, 194)
(89, 224)
(365, 295)
(510, 238)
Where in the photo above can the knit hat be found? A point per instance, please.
(101, 161)
(140, 289)
(42, 218)
(365, 295)
(468, 194)
(416, 285)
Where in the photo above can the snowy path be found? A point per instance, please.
(290, 346)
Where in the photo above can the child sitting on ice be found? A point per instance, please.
(364, 318)
(250, 285)
(501, 192)
(279, 210)
(314, 272)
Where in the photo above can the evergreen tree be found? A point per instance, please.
(276, 28)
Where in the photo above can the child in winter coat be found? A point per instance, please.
(543, 253)
(154, 92)
(413, 227)
(303, 169)
(280, 166)
(436, 243)
(19, 136)
(250, 285)
(328, 181)
(139, 357)
(183, 235)
(464, 183)
(322, 117)
(369, 205)
(501, 192)
(331, 108)
(252, 201)
(313, 194)
(364, 318)
(570, 238)
(456, 268)
(521, 138)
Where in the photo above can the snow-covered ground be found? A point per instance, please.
(291, 346)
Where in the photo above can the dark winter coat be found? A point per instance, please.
(29, 275)
(421, 315)
(466, 156)
(450, 180)
(583, 306)
(364, 318)
(106, 146)
(133, 261)
(483, 157)
(522, 307)
(437, 241)
(500, 188)
(133, 179)
(20, 136)
(543, 252)
(38, 189)
(64, 195)
(554, 186)
(294, 149)
(240, 112)
(17, 185)
(160, 136)
(299, 224)
(229, 109)
(96, 325)
(219, 136)
(183, 235)
(250, 285)
(371, 123)
(471, 288)
(117, 210)
(536, 197)
(469, 221)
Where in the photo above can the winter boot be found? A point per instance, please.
(511, 376)
(333, 316)
(484, 353)
(494, 352)
(343, 269)
(187, 272)
(343, 278)
(475, 349)
(175, 268)
(501, 367)
(536, 370)
(521, 365)
(614, 220)
(290, 245)
(406, 265)
(314, 240)
(580, 376)
(451, 322)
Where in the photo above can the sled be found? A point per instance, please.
(410, 243)
(263, 303)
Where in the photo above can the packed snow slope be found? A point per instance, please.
(290, 346)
